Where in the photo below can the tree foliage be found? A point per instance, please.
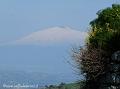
(106, 29)
(104, 39)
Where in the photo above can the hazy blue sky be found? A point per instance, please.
(19, 18)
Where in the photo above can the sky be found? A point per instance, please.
(37, 35)
(21, 17)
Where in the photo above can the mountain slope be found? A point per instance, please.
(53, 35)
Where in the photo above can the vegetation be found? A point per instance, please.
(65, 86)
(106, 29)
(94, 59)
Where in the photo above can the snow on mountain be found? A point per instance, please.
(53, 35)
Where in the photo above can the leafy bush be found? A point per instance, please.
(94, 58)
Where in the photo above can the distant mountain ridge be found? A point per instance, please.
(22, 77)
(54, 35)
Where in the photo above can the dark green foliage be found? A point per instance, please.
(66, 86)
(105, 29)
(104, 39)
(109, 17)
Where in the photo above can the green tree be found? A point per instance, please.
(105, 29)
(94, 59)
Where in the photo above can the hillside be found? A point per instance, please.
(65, 86)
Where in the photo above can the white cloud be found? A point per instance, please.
(53, 35)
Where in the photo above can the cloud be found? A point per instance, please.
(53, 35)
